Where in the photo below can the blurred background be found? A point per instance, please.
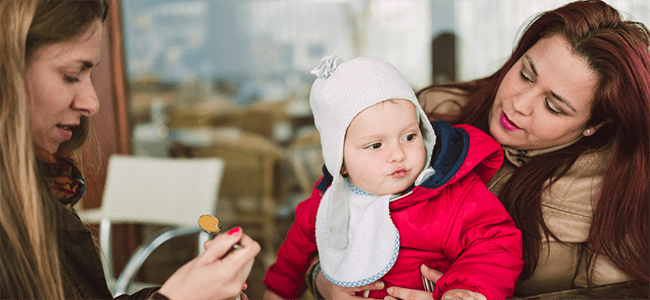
(230, 79)
(221, 56)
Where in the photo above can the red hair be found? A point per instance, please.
(617, 51)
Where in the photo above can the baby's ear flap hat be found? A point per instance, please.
(356, 238)
(339, 93)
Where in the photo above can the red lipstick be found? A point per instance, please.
(507, 124)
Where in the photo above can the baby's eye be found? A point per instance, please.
(409, 137)
(374, 146)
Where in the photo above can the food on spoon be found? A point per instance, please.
(209, 224)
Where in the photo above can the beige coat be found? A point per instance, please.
(566, 208)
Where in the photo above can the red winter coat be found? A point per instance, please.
(451, 223)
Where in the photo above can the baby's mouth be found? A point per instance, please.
(399, 173)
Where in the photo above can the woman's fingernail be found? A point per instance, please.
(235, 231)
(380, 285)
(245, 285)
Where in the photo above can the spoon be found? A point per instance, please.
(210, 225)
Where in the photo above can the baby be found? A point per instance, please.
(398, 191)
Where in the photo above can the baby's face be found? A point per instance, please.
(383, 151)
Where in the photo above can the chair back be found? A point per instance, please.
(306, 158)
(163, 191)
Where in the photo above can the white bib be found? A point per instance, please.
(373, 240)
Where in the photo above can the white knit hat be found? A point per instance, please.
(341, 91)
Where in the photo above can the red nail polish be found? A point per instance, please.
(245, 286)
(235, 231)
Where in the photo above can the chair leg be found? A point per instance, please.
(106, 244)
(144, 250)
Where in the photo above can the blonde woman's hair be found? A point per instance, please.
(29, 254)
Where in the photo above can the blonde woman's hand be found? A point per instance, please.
(242, 296)
(218, 273)
(332, 291)
(396, 293)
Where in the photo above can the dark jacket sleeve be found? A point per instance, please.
(84, 276)
(142, 294)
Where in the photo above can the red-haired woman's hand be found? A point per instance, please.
(396, 293)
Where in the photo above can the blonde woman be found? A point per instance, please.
(49, 49)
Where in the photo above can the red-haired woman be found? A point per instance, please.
(571, 110)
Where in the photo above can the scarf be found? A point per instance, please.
(65, 178)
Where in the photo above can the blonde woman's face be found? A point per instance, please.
(544, 99)
(59, 87)
(383, 152)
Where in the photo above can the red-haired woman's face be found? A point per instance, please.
(545, 98)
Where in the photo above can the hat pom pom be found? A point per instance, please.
(326, 66)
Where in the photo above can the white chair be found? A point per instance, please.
(156, 191)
